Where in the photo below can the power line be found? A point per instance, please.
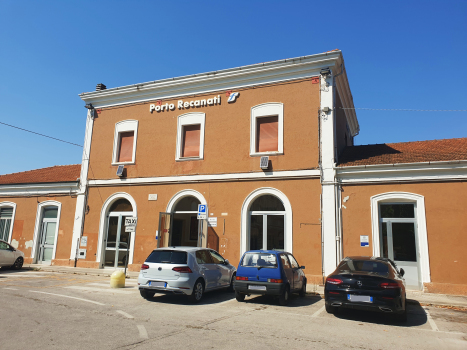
(408, 110)
(36, 133)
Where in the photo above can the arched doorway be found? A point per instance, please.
(117, 242)
(266, 221)
(46, 232)
(179, 226)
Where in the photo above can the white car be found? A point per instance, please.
(185, 270)
(10, 256)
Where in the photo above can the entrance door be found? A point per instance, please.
(117, 243)
(47, 235)
(116, 247)
(399, 240)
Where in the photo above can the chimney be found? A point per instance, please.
(100, 87)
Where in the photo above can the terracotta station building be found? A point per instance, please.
(268, 150)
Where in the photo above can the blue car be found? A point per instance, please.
(269, 272)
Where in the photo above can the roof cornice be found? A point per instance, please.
(403, 172)
(233, 78)
(38, 189)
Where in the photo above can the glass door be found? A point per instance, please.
(117, 243)
(399, 240)
(47, 235)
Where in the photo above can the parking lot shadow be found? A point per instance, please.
(214, 297)
(416, 316)
(294, 301)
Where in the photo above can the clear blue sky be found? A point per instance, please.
(398, 54)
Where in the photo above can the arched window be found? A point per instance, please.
(266, 221)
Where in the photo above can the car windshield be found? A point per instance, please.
(261, 260)
(364, 266)
(167, 257)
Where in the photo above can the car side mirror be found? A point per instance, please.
(402, 272)
(226, 262)
(302, 267)
(12, 249)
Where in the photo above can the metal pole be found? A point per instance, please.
(76, 253)
(127, 247)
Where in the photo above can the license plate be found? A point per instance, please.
(360, 298)
(157, 284)
(257, 287)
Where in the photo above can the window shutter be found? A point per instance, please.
(191, 138)
(267, 129)
(125, 152)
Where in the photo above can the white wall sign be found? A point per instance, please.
(152, 197)
(130, 228)
(84, 241)
(212, 222)
(364, 241)
(131, 221)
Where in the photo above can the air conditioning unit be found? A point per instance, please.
(264, 162)
(120, 170)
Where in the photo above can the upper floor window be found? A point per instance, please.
(190, 136)
(124, 150)
(267, 129)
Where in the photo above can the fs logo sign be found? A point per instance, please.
(232, 96)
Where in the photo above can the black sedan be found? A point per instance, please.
(367, 283)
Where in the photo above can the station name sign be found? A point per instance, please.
(181, 104)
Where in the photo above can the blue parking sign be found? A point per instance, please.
(202, 211)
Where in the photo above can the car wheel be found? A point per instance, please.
(231, 288)
(239, 296)
(18, 264)
(303, 290)
(330, 309)
(146, 294)
(284, 297)
(198, 291)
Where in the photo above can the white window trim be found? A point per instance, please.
(192, 118)
(184, 193)
(9, 205)
(422, 236)
(124, 126)
(245, 218)
(103, 224)
(38, 226)
(269, 109)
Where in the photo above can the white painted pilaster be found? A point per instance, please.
(328, 175)
(82, 192)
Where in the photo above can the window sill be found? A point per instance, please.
(188, 159)
(124, 163)
(260, 154)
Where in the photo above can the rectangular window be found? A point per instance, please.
(125, 149)
(267, 129)
(191, 140)
(267, 139)
(190, 136)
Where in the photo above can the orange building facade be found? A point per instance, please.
(268, 150)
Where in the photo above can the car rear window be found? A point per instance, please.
(364, 266)
(167, 257)
(259, 260)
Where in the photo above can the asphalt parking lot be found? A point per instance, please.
(46, 310)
